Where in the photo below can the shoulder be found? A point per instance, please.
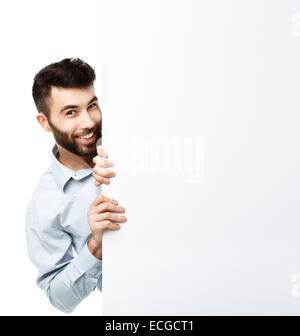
(46, 198)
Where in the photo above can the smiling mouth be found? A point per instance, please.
(90, 137)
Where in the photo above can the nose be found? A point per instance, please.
(85, 121)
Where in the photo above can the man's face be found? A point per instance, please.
(74, 113)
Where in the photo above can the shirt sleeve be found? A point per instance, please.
(66, 279)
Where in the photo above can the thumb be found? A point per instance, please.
(101, 151)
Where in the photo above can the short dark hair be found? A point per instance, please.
(68, 73)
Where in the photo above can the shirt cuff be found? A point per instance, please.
(87, 262)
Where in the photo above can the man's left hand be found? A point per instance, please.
(100, 173)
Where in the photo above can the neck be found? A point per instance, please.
(73, 161)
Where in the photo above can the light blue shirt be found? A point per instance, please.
(57, 231)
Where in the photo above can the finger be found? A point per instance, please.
(101, 151)
(108, 225)
(111, 226)
(110, 216)
(101, 198)
(100, 179)
(102, 162)
(104, 172)
(107, 206)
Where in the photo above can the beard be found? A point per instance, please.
(70, 144)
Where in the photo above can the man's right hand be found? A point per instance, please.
(101, 217)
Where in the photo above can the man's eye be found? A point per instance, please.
(93, 105)
(70, 112)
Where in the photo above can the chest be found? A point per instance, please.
(73, 210)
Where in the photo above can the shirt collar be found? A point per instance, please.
(63, 174)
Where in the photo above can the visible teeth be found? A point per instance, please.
(87, 136)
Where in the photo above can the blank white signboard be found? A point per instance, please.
(201, 117)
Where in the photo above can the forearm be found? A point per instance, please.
(75, 282)
(66, 279)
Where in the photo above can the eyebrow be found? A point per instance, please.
(66, 107)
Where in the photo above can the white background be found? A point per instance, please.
(33, 35)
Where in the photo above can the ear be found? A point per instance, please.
(43, 121)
